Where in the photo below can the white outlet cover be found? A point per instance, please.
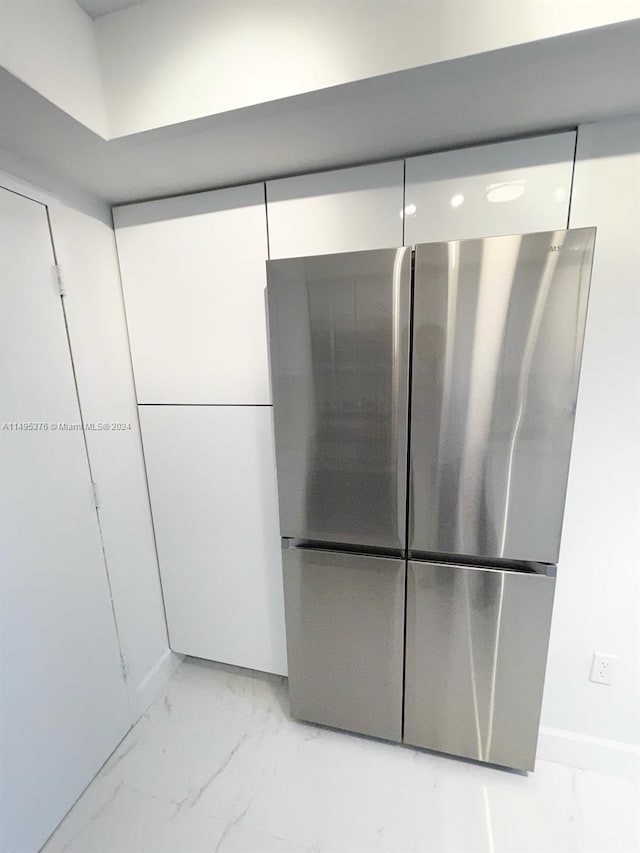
(602, 668)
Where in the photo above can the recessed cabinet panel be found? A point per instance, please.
(193, 274)
(505, 188)
(347, 210)
(213, 496)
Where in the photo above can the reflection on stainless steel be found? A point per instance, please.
(345, 636)
(472, 670)
(495, 278)
(487, 815)
(494, 669)
(476, 648)
(498, 331)
(339, 335)
(525, 372)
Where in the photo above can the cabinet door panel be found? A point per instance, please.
(347, 210)
(63, 703)
(193, 273)
(213, 496)
(506, 188)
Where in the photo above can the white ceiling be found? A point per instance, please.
(549, 85)
(96, 8)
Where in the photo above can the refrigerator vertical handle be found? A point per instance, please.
(400, 388)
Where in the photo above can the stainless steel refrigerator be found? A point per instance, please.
(424, 404)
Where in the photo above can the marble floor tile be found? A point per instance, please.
(218, 766)
(207, 721)
(125, 822)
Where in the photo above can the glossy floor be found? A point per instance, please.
(216, 764)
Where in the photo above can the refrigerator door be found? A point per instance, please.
(497, 342)
(345, 638)
(475, 661)
(339, 344)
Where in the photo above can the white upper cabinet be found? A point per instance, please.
(193, 273)
(507, 188)
(213, 492)
(343, 211)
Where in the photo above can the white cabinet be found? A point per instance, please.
(341, 211)
(506, 188)
(193, 273)
(63, 703)
(213, 493)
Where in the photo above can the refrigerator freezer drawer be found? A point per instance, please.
(345, 634)
(475, 661)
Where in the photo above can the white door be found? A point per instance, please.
(213, 494)
(63, 705)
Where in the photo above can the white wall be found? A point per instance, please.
(50, 45)
(43, 182)
(161, 62)
(598, 588)
(97, 329)
(165, 62)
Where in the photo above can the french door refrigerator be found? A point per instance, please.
(423, 406)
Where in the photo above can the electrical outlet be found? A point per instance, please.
(602, 668)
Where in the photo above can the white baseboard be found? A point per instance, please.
(153, 682)
(589, 753)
